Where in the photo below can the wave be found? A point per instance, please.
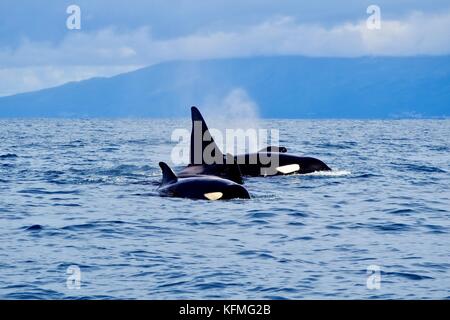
(8, 156)
(333, 173)
(407, 275)
(420, 168)
(34, 227)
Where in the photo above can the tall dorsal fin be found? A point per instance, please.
(198, 145)
(168, 175)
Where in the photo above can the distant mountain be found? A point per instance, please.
(283, 87)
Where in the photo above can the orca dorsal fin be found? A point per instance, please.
(232, 169)
(168, 175)
(198, 145)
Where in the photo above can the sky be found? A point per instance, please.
(38, 51)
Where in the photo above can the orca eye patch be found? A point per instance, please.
(213, 195)
(290, 168)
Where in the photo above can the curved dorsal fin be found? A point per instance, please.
(198, 145)
(168, 175)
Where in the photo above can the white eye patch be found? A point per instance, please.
(213, 195)
(290, 168)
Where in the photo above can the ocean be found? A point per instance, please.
(80, 217)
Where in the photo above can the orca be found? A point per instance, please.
(251, 164)
(227, 169)
(199, 186)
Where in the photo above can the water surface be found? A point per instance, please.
(82, 192)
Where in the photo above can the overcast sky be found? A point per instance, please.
(38, 51)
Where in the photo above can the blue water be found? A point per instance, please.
(82, 192)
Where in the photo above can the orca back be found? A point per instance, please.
(168, 175)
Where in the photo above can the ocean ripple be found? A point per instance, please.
(82, 193)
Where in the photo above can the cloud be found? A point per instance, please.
(24, 79)
(416, 34)
(105, 52)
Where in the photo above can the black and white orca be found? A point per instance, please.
(227, 168)
(250, 164)
(199, 186)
